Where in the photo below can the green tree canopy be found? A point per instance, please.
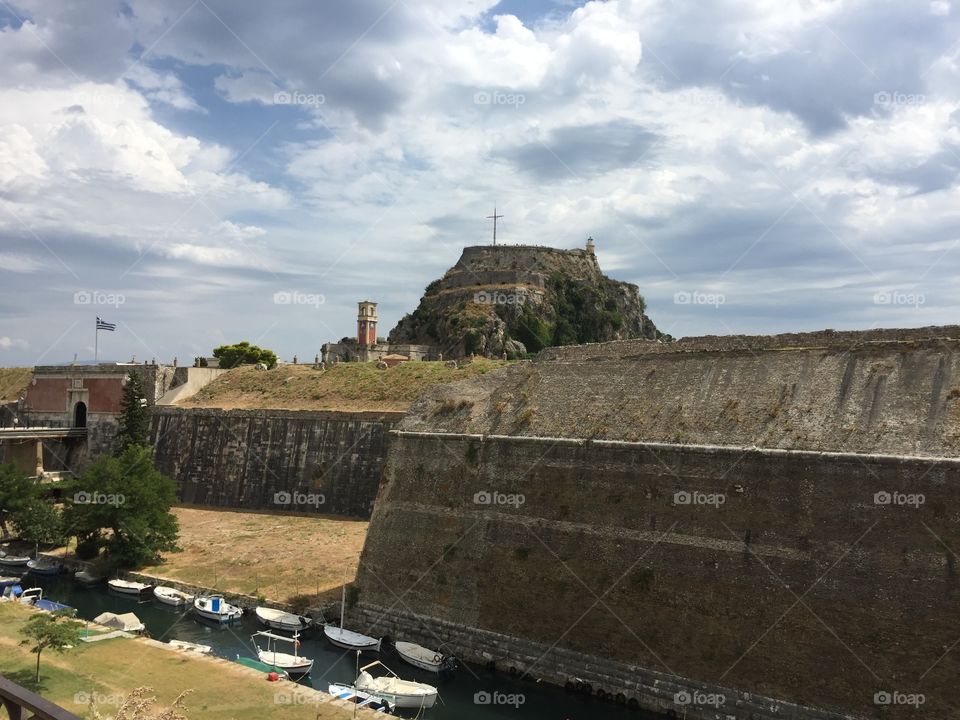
(17, 493)
(134, 421)
(126, 496)
(56, 631)
(243, 353)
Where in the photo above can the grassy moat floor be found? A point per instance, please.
(111, 669)
(297, 559)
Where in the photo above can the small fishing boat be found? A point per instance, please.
(13, 560)
(424, 658)
(296, 665)
(217, 609)
(360, 698)
(85, 577)
(190, 647)
(8, 580)
(348, 639)
(171, 596)
(43, 567)
(128, 587)
(262, 667)
(280, 620)
(395, 690)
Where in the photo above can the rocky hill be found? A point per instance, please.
(517, 299)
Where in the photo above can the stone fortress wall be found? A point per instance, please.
(769, 519)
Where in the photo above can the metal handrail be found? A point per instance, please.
(18, 699)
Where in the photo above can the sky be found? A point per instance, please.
(201, 172)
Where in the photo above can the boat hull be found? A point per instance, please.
(419, 657)
(42, 569)
(14, 561)
(281, 621)
(221, 612)
(402, 700)
(349, 640)
(174, 600)
(126, 589)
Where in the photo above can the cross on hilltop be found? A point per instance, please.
(494, 218)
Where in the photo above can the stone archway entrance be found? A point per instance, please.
(80, 415)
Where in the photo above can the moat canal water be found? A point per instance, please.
(540, 701)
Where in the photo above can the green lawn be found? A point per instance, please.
(110, 669)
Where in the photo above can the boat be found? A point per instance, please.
(395, 690)
(128, 622)
(171, 596)
(216, 608)
(85, 577)
(41, 566)
(128, 587)
(360, 698)
(263, 667)
(296, 665)
(280, 620)
(13, 560)
(348, 639)
(8, 580)
(424, 658)
(34, 597)
(190, 647)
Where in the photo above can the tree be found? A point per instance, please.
(243, 353)
(56, 631)
(128, 497)
(134, 420)
(41, 522)
(17, 493)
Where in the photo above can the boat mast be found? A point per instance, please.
(343, 602)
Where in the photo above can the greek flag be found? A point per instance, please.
(102, 325)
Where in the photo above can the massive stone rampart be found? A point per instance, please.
(260, 458)
(798, 544)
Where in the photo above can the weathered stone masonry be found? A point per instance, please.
(820, 579)
(244, 458)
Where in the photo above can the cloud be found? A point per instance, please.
(797, 156)
(7, 343)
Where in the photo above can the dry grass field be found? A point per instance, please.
(279, 557)
(13, 381)
(346, 386)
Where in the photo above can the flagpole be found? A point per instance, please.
(96, 342)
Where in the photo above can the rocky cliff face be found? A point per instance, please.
(520, 299)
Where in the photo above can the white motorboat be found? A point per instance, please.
(171, 596)
(280, 620)
(295, 665)
(424, 658)
(348, 639)
(190, 647)
(359, 698)
(43, 567)
(216, 608)
(85, 577)
(393, 689)
(128, 587)
(13, 560)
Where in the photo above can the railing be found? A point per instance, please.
(38, 433)
(21, 704)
